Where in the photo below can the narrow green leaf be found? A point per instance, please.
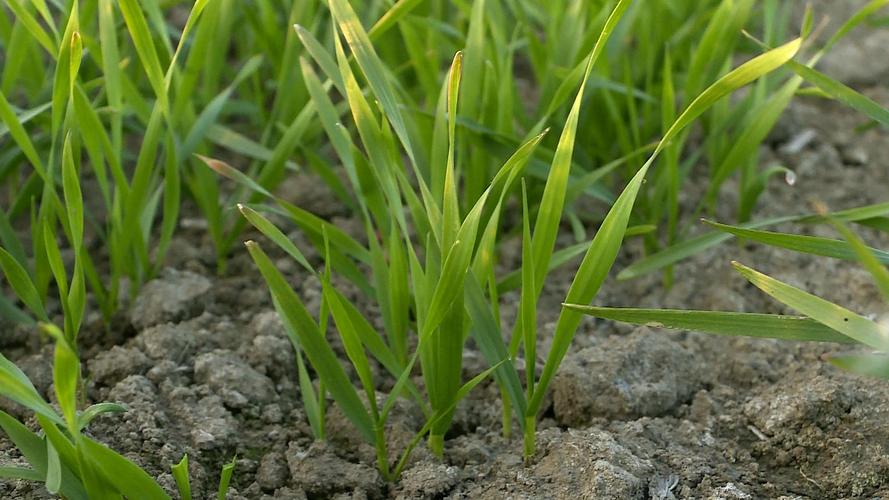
(486, 332)
(29, 444)
(172, 199)
(33, 26)
(398, 11)
(266, 227)
(111, 68)
(193, 17)
(226, 170)
(528, 300)
(34, 449)
(128, 478)
(16, 386)
(225, 478)
(737, 78)
(20, 136)
(81, 485)
(500, 188)
(721, 323)
(313, 405)
(66, 374)
(87, 416)
(860, 16)
(814, 245)
(56, 264)
(762, 120)
(350, 337)
(398, 284)
(22, 285)
(26, 116)
(692, 246)
(12, 472)
(450, 204)
(454, 270)
(141, 35)
(870, 258)
(76, 57)
(62, 83)
(53, 478)
(313, 343)
(546, 227)
(73, 196)
(372, 67)
(837, 90)
(213, 109)
(238, 143)
(322, 57)
(829, 314)
(181, 475)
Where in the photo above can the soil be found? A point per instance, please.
(204, 368)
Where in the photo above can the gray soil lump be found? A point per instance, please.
(173, 297)
(643, 374)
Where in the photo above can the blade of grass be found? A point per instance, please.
(486, 332)
(16, 386)
(843, 93)
(814, 245)
(85, 417)
(313, 405)
(66, 374)
(181, 475)
(528, 300)
(838, 318)
(128, 478)
(20, 136)
(62, 80)
(351, 340)
(21, 283)
(29, 444)
(721, 323)
(24, 16)
(266, 227)
(314, 344)
(111, 69)
(141, 35)
(549, 215)
(870, 258)
(225, 477)
(692, 246)
(12, 472)
(372, 67)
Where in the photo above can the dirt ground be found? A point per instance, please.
(204, 368)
